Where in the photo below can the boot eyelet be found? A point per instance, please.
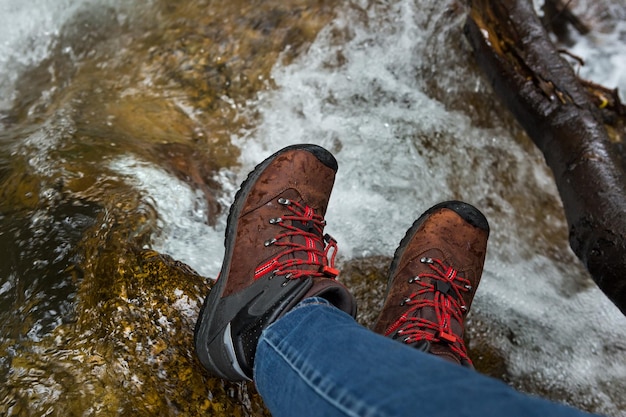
(276, 220)
(464, 308)
(284, 284)
(468, 287)
(269, 242)
(426, 260)
(406, 300)
(284, 201)
(414, 279)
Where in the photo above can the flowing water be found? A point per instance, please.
(143, 120)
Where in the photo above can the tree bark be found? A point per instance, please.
(577, 125)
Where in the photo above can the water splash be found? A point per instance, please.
(182, 213)
(30, 31)
(605, 57)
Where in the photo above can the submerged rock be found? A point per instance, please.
(128, 352)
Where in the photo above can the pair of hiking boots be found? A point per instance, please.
(276, 254)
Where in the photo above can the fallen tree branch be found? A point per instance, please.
(577, 126)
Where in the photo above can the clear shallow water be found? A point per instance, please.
(392, 92)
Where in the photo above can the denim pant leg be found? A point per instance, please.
(317, 361)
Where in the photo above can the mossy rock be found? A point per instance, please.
(129, 352)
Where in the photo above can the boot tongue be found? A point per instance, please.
(306, 226)
(311, 238)
(450, 329)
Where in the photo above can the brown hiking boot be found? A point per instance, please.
(276, 255)
(433, 279)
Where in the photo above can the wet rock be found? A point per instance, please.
(128, 352)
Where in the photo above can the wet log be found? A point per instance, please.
(577, 125)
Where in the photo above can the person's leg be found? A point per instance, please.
(317, 361)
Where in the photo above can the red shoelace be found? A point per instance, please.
(446, 288)
(302, 222)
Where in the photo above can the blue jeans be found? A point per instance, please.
(317, 361)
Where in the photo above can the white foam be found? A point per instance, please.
(8, 284)
(182, 213)
(28, 31)
(604, 55)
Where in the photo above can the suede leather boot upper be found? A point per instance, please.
(276, 255)
(433, 279)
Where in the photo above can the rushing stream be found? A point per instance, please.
(125, 132)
